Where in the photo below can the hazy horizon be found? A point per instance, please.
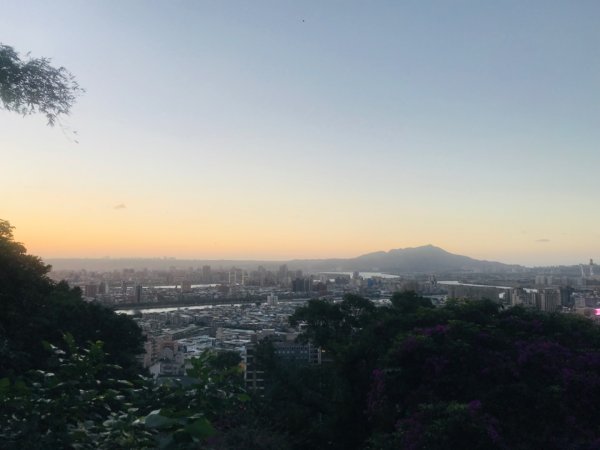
(296, 130)
(283, 260)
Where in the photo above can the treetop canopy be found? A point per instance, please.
(33, 85)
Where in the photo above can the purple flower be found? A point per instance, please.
(409, 344)
(438, 329)
(436, 364)
(474, 406)
(567, 374)
(482, 335)
(414, 432)
(376, 396)
(493, 433)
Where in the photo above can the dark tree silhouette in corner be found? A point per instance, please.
(34, 309)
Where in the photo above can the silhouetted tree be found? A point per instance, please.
(34, 309)
(69, 377)
(33, 85)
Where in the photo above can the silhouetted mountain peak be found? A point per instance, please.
(428, 249)
(425, 258)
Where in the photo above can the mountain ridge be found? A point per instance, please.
(422, 259)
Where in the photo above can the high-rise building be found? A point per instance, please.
(302, 285)
(186, 286)
(103, 288)
(138, 293)
(282, 273)
(90, 290)
(236, 276)
(272, 300)
(548, 299)
(206, 274)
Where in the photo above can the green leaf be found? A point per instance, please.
(200, 429)
(243, 397)
(164, 441)
(155, 420)
(4, 384)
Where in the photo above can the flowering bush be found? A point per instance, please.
(466, 375)
(518, 379)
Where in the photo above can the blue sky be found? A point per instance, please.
(300, 129)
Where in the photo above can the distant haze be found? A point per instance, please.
(425, 259)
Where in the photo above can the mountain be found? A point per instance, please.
(424, 259)
(427, 258)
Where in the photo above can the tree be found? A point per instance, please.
(33, 85)
(69, 378)
(34, 309)
(87, 403)
(409, 302)
(465, 375)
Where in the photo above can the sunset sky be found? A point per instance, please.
(275, 130)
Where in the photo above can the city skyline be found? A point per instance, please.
(284, 131)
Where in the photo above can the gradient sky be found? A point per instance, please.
(214, 129)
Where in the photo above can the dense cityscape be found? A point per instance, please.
(186, 311)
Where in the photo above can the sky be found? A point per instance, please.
(280, 129)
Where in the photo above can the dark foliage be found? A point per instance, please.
(466, 375)
(33, 85)
(69, 377)
(87, 403)
(34, 310)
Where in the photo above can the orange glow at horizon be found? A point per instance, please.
(89, 237)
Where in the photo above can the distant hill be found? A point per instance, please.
(424, 259)
(427, 258)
